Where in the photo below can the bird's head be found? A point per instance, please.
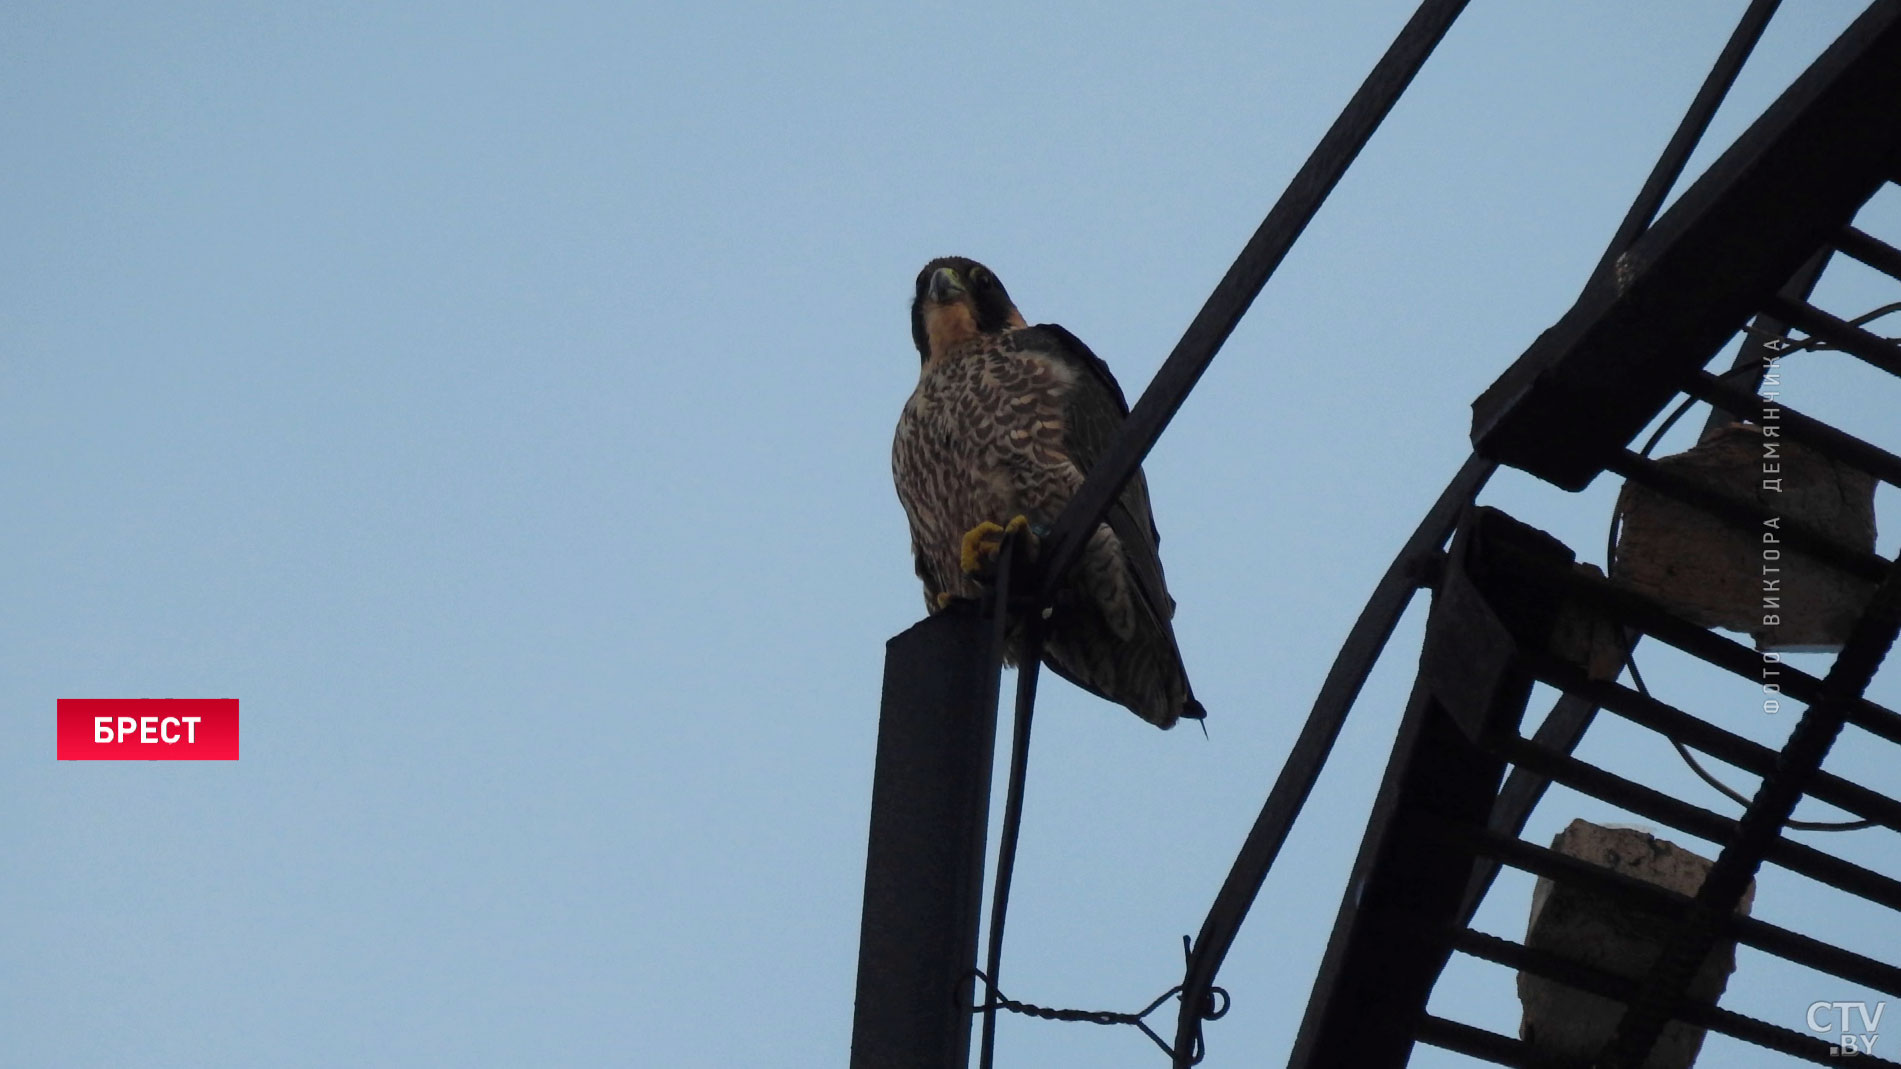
(958, 299)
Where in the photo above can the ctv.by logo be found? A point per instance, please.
(1852, 1043)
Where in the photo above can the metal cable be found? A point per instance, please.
(1028, 663)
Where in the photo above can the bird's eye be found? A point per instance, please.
(979, 275)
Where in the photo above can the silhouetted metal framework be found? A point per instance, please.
(1749, 237)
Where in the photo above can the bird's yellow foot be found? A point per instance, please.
(983, 542)
(944, 597)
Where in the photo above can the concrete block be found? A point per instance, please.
(1571, 1025)
(1713, 574)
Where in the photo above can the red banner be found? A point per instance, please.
(148, 729)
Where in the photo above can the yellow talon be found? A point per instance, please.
(981, 544)
(943, 599)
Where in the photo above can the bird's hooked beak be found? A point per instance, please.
(945, 286)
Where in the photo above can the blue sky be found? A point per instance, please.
(497, 400)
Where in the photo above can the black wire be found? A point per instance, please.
(1028, 663)
(1725, 789)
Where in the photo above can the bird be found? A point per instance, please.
(1005, 422)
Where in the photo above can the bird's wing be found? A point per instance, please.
(932, 588)
(1093, 412)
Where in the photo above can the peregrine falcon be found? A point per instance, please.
(1005, 422)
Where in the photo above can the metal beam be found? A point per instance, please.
(1764, 342)
(1388, 943)
(930, 806)
(1383, 956)
(1858, 342)
(1696, 119)
(1473, 1042)
(1635, 610)
(1606, 985)
(1745, 515)
(1640, 894)
(1808, 430)
(1238, 288)
(1560, 732)
(1693, 731)
(1301, 770)
(1760, 828)
(1787, 187)
(1874, 252)
(1655, 805)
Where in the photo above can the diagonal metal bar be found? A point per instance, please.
(1607, 985)
(1750, 756)
(1611, 884)
(1636, 610)
(1243, 282)
(1808, 430)
(1856, 341)
(1655, 805)
(1872, 251)
(1745, 515)
(1560, 732)
(1696, 120)
(1765, 339)
(1301, 770)
(1465, 1039)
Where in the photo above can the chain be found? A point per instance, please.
(1217, 1006)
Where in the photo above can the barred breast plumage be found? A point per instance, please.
(1005, 421)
